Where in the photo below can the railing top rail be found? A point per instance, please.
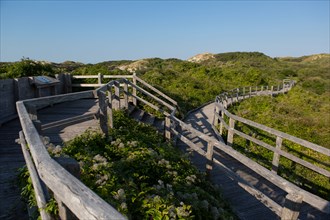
(156, 90)
(281, 134)
(82, 201)
(104, 76)
(50, 100)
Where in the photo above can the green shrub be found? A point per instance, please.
(143, 176)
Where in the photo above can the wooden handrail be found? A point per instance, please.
(70, 190)
(156, 90)
(275, 132)
(81, 200)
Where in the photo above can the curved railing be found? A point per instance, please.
(116, 94)
(44, 170)
(224, 120)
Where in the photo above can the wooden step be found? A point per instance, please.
(148, 119)
(137, 114)
(130, 109)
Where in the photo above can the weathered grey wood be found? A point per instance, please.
(103, 115)
(283, 153)
(152, 96)
(32, 110)
(276, 156)
(271, 90)
(276, 208)
(134, 89)
(209, 156)
(117, 96)
(104, 76)
(110, 112)
(99, 78)
(8, 98)
(36, 182)
(191, 144)
(317, 202)
(126, 95)
(84, 203)
(283, 135)
(150, 104)
(51, 100)
(68, 83)
(231, 131)
(156, 90)
(168, 128)
(73, 167)
(291, 207)
(67, 121)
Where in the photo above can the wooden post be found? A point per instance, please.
(276, 157)
(215, 118)
(99, 79)
(230, 137)
(250, 92)
(40, 194)
(126, 94)
(291, 208)
(237, 94)
(243, 92)
(73, 167)
(221, 123)
(117, 96)
(32, 110)
(271, 90)
(134, 89)
(103, 112)
(110, 113)
(168, 128)
(209, 157)
(68, 83)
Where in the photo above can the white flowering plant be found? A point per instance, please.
(144, 176)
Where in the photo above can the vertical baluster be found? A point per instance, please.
(126, 94)
(134, 89)
(168, 128)
(276, 157)
(230, 137)
(103, 112)
(110, 113)
(209, 157)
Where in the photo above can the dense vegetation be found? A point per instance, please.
(304, 113)
(143, 176)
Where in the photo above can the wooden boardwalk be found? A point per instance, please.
(64, 121)
(245, 201)
(11, 157)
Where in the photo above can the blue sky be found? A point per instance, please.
(95, 31)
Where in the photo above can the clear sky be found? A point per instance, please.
(95, 31)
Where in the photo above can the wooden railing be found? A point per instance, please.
(117, 94)
(46, 173)
(223, 119)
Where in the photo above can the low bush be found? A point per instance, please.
(144, 176)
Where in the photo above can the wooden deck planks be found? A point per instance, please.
(244, 204)
(11, 157)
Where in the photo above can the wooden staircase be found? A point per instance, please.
(147, 118)
(224, 165)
